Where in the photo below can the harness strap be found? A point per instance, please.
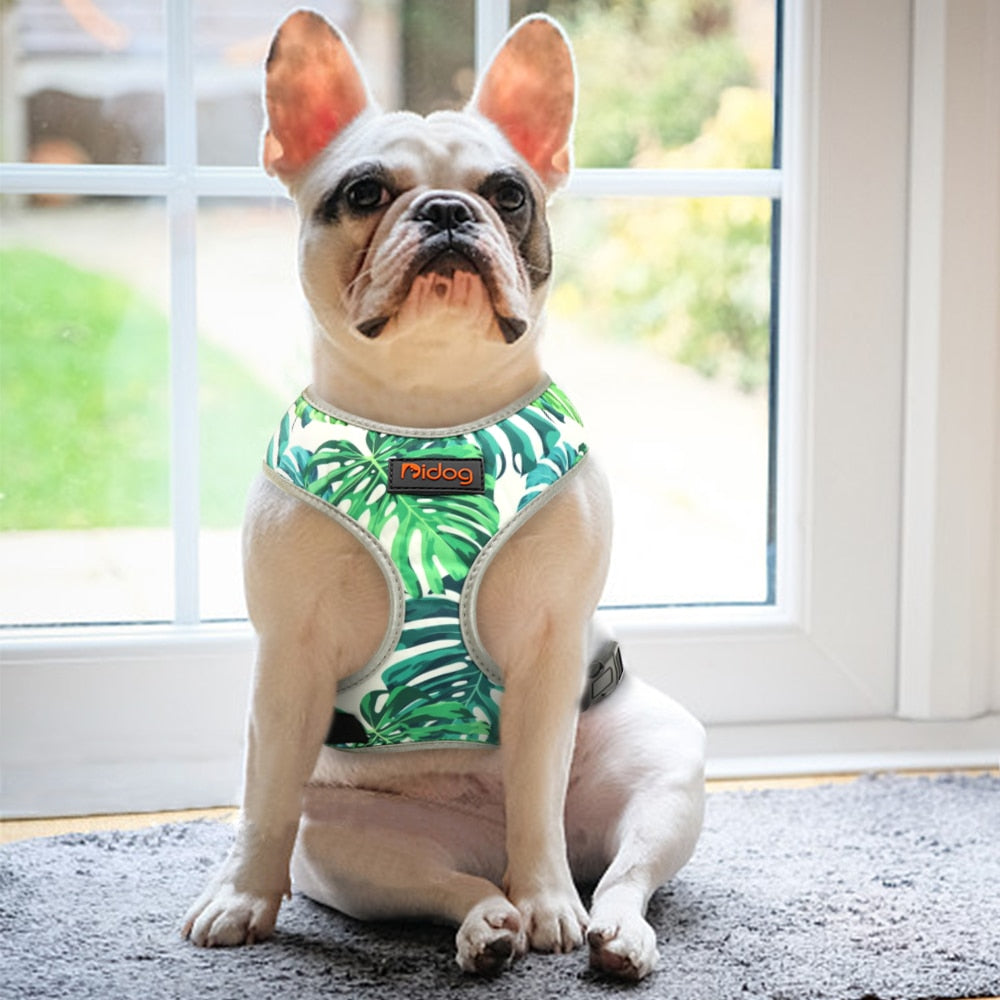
(606, 673)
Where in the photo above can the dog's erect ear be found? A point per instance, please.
(314, 89)
(529, 92)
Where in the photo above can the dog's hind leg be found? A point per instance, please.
(377, 856)
(640, 771)
(654, 840)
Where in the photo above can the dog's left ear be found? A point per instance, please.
(529, 93)
(314, 89)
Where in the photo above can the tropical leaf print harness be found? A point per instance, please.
(433, 507)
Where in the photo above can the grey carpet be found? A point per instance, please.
(881, 888)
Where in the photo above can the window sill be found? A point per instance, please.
(166, 718)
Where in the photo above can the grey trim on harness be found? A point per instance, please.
(430, 432)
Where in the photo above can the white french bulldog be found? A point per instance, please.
(425, 257)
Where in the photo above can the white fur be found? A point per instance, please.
(491, 840)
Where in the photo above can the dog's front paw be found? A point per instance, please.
(224, 917)
(622, 945)
(553, 921)
(490, 938)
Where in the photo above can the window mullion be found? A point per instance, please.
(238, 182)
(182, 206)
(629, 182)
(789, 445)
(100, 180)
(492, 24)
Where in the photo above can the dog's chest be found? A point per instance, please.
(433, 508)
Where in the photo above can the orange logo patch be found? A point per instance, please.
(425, 476)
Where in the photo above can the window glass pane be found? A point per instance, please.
(417, 55)
(84, 400)
(659, 325)
(231, 42)
(82, 82)
(671, 83)
(438, 54)
(253, 360)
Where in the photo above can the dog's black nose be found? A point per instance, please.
(445, 213)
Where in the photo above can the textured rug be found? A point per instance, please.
(883, 888)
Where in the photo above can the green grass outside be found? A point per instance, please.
(84, 405)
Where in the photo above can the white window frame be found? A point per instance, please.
(881, 649)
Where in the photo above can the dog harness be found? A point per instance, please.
(433, 507)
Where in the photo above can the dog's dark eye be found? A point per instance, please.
(509, 196)
(366, 195)
(362, 191)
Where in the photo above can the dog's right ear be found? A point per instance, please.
(529, 93)
(314, 89)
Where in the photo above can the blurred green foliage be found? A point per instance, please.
(85, 439)
(651, 72)
(666, 84)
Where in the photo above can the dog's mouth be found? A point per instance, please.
(447, 261)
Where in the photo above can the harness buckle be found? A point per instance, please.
(605, 675)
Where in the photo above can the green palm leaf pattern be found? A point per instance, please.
(433, 540)
(532, 448)
(429, 688)
(552, 468)
(556, 403)
(283, 455)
